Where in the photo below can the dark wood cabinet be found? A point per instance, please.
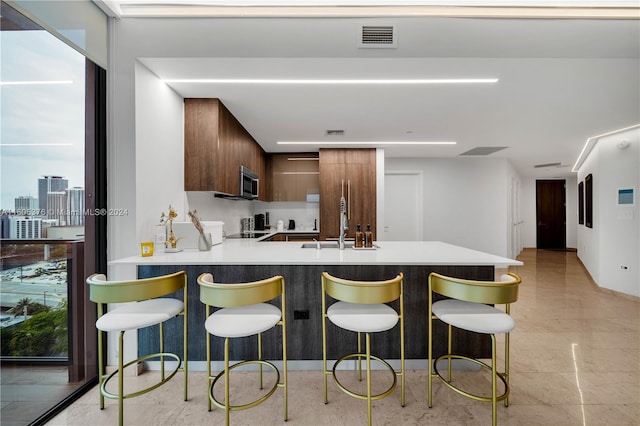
(294, 176)
(351, 172)
(305, 336)
(215, 146)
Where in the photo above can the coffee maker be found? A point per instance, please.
(259, 222)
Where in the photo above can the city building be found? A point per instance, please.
(57, 206)
(47, 184)
(26, 205)
(75, 206)
(5, 225)
(25, 228)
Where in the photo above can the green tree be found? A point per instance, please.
(32, 307)
(43, 335)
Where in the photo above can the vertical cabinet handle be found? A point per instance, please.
(349, 195)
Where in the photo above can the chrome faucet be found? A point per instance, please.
(343, 221)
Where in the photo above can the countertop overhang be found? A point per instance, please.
(255, 252)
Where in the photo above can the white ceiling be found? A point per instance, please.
(561, 81)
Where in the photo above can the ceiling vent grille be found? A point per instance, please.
(539, 166)
(335, 132)
(484, 150)
(377, 36)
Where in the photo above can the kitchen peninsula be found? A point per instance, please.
(244, 260)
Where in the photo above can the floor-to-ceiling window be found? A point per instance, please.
(52, 174)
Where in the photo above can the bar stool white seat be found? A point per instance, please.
(362, 318)
(243, 321)
(152, 304)
(243, 313)
(468, 308)
(361, 307)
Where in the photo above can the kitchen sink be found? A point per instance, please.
(327, 244)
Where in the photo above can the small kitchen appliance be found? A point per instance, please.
(259, 222)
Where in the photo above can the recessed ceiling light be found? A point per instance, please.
(331, 81)
(366, 143)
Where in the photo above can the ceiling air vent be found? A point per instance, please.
(484, 150)
(335, 132)
(539, 166)
(376, 36)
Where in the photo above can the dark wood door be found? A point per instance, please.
(551, 214)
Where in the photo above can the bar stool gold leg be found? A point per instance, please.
(227, 403)
(368, 349)
(359, 357)
(284, 362)
(260, 356)
(430, 374)
(100, 368)
(120, 381)
(494, 384)
(209, 378)
(449, 351)
(185, 354)
(506, 365)
(324, 347)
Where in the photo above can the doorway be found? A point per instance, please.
(551, 214)
(403, 217)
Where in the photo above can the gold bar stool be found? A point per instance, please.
(150, 308)
(467, 309)
(361, 306)
(244, 313)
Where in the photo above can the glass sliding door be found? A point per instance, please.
(51, 163)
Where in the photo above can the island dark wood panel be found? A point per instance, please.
(304, 293)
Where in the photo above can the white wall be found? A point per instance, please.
(159, 152)
(572, 211)
(466, 200)
(614, 240)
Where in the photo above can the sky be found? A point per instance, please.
(37, 116)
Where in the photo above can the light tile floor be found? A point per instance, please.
(575, 361)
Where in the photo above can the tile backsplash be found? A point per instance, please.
(232, 211)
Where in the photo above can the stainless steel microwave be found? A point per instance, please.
(249, 184)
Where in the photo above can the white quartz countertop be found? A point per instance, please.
(254, 252)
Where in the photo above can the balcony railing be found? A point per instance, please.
(42, 286)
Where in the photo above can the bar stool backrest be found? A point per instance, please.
(365, 292)
(103, 291)
(241, 294)
(493, 292)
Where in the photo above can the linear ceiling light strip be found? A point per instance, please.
(331, 81)
(366, 143)
(185, 11)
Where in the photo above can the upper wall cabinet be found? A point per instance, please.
(350, 173)
(294, 177)
(215, 146)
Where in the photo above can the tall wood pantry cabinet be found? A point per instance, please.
(351, 172)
